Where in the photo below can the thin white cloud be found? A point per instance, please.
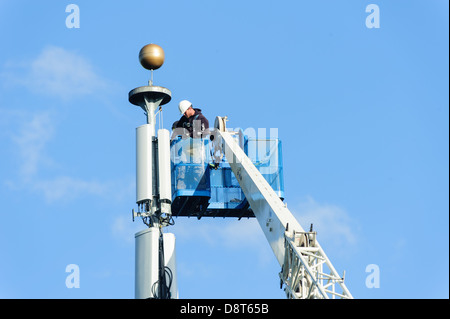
(30, 134)
(332, 223)
(336, 229)
(60, 73)
(124, 229)
(67, 188)
(230, 233)
(224, 234)
(56, 72)
(31, 139)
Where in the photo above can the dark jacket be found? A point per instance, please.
(197, 126)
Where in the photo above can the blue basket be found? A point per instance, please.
(201, 190)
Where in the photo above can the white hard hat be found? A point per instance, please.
(183, 106)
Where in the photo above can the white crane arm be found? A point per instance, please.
(299, 254)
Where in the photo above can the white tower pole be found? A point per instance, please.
(155, 275)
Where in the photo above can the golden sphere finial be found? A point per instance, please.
(151, 56)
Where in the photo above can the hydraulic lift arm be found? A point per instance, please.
(306, 272)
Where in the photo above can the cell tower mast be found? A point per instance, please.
(155, 275)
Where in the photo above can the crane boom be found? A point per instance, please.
(306, 271)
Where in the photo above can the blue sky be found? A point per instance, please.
(363, 115)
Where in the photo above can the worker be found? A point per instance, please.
(193, 127)
(192, 120)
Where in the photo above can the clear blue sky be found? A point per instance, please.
(363, 115)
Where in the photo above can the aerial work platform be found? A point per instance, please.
(203, 184)
(228, 174)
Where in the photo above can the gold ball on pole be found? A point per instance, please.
(151, 56)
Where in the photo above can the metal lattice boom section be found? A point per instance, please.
(303, 272)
